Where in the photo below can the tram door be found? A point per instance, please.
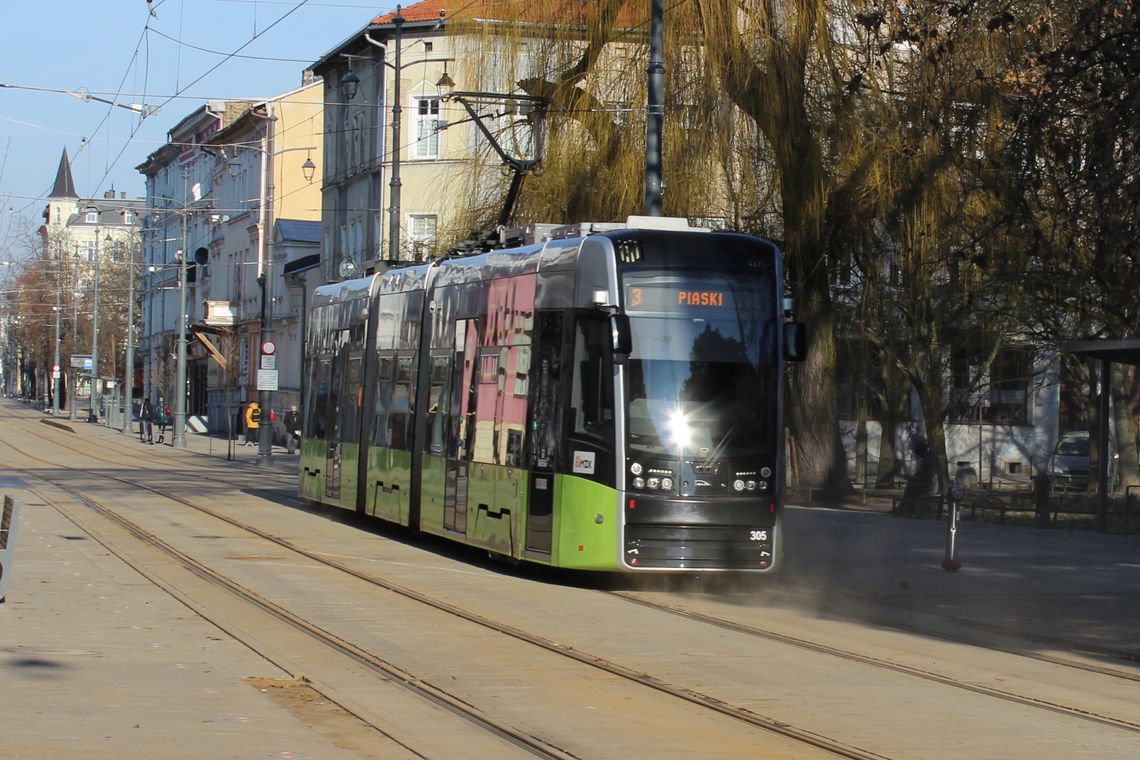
(332, 456)
(545, 425)
(465, 382)
(343, 418)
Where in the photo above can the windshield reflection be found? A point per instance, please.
(702, 381)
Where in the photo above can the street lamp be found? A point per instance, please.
(93, 411)
(179, 439)
(129, 373)
(56, 371)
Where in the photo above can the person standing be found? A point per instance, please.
(162, 417)
(146, 415)
(292, 429)
(252, 423)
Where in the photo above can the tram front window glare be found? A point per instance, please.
(702, 376)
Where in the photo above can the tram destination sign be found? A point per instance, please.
(673, 297)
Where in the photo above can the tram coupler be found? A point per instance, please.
(951, 562)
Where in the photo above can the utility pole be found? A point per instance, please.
(129, 373)
(56, 370)
(266, 353)
(394, 184)
(93, 413)
(654, 121)
(179, 439)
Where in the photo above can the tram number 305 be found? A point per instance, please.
(758, 535)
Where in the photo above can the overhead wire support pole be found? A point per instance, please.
(655, 109)
(394, 183)
(265, 397)
(56, 370)
(129, 372)
(93, 410)
(179, 439)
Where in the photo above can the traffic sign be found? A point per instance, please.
(267, 379)
(268, 347)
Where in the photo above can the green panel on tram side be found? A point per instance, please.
(432, 494)
(311, 473)
(582, 541)
(349, 454)
(496, 503)
(389, 482)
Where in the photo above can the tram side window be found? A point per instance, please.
(350, 401)
(319, 401)
(438, 405)
(488, 388)
(387, 368)
(400, 409)
(591, 394)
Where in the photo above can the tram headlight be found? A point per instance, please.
(765, 472)
(635, 468)
(666, 484)
(654, 484)
(738, 485)
(750, 485)
(762, 485)
(639, 482)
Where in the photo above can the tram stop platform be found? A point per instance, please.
(97, 662)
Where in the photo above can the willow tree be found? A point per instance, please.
(941, 265)
(742, 147)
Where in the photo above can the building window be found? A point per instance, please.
(128, 217)
(92, 217)
(423, 234)
(87, 250)
(426, 128)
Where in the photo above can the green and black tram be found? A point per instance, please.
(607, 399)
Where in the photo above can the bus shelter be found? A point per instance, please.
(1107, 352)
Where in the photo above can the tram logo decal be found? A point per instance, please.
(584, 462)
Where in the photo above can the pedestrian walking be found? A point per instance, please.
(292, 429)
(146, 422)
(252, 423)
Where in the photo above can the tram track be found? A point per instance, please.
(290, 496)
(694, 697)
(877, 662)
(742, 715)
(327, 639)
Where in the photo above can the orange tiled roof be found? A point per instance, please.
(427, 10)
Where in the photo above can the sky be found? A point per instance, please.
(172, 55)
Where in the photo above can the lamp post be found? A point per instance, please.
(655, 109)
(267, 347)
(93, 411)
(56, 371)
(179, 439)
(72, 410)
(129, 372)
(395, 184)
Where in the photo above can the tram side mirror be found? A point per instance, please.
(795, 341)
(622, 342)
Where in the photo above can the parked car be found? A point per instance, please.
(1069, 462)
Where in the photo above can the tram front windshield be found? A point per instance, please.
(702, 371)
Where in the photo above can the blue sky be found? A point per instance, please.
(112, 48)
